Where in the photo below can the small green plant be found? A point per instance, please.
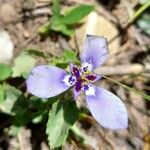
(65, 23)
(58, 113)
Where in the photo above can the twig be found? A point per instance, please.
(120, 69)
(24, 139)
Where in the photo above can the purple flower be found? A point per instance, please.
(48, 81)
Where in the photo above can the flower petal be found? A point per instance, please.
(74, 70)
(93, 77)
(76, 93)
(46, 81)
(107, 109)
(94, 50)
(69, 80)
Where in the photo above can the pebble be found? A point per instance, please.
(6, 47)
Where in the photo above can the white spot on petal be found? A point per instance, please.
(90, 91)
(87, 67)
(69, 80)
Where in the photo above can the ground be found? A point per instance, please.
(128, 63)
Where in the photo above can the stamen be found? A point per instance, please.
(84, 79)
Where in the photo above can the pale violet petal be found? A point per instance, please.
(89, 90)
(76, 93)
(46, 81)
(107, 109)
(94, 50)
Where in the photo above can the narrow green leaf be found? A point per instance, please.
(80, 136)
(1, 94)
(76, 14)
(60, 27)
(62, 116)
(36, 53)
(45, 29)
(56, 8)
(5, 71)
(23, 65)
(129, 88)
(140, 11)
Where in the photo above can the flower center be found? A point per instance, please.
(80, 77)
(83, 76)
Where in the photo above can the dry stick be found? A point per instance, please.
(136, 33)
(92, 121)
(125, 27)
(120, 69)
(103, 12)
(28, 41)
(105, 140)
(24, 139)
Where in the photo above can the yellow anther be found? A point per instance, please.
(85, 79)
(87, 72)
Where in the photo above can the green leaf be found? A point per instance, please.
(37, 53)
(69, 55)
(76, 14)
(59, 62)
(140, 11)
(60, 27)
(1, 94)
(37, 117)
(45, 29)
(20, 105)
(129, 88)
(11, 97)
(62, 116)
(80, 136)
(23, 65)
(56, 8)
(144, 23)
(5, 71)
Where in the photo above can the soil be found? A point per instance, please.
(22, 19)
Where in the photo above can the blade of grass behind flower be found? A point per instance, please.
(140, 11)
(147, 97)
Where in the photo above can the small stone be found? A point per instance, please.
(6, 47)
(7, 13)
(98, 25)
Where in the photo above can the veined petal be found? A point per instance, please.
(74, 70)
(46, 81)
(78, 86)
(93, 77)
(107, 109)
(94, 50)
(76, 93)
